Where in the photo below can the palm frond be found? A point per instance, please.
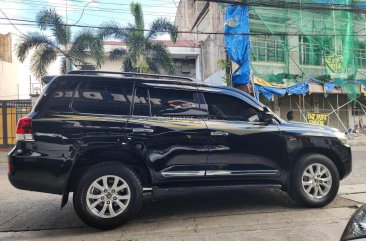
(161, 56)
(112, 30)
(136, 47)
(152, 65)
(127, 65)
(30, 41)
(42, 57)
(48, 18)
(84, 41)
(116, 54)
(136, 11)
(162, 26)
(63, 65)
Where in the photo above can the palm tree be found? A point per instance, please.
(142, 54)
(46, 50)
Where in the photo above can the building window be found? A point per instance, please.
(312, 49)
(310, 52)
(268, 48)
(361, 56)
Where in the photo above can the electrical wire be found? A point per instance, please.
(295, 5)
(31, 22)
(6, 17)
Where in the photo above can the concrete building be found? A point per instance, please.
(185, 55)
(292, 57)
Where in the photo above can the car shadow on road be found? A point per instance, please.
(214, 203)
(162, 207)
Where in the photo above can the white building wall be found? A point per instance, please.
(14, 77)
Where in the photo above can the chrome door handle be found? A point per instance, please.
(142, 130)
(219, 133)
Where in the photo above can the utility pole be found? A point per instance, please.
(67, 60)
(30, 84)
(228, 69)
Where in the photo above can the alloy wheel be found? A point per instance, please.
(108, 196)
(316, 181)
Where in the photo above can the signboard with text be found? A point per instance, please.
(317, 118)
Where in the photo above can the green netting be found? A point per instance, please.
(321, 44)
(350, 90)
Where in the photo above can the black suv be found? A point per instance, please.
(109, 137)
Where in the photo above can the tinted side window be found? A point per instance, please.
(224, 107)
(59, 99)
(141, 102)
(103, 97)
(172, 102)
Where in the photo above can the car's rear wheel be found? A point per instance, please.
(107, 195)
(314, 181)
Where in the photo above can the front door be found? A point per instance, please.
(240, 144)
(167, 131)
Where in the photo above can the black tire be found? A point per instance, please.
(94, 173)
(296, 189)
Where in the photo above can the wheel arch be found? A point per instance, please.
(100, 155)
(332, 155)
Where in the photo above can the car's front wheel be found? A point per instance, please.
(107, 195)
(314, 181)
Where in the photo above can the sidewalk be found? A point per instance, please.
(4, 154)
(357, 140)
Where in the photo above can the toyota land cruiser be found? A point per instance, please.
(108, 137)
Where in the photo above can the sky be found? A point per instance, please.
(95, 12)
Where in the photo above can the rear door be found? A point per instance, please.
(101, 107)
(166, 129)
(240, 144)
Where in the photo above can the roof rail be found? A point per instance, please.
(132, 74)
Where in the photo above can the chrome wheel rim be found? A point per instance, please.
(108, 196)
(317, 181)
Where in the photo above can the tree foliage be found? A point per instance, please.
(142, 54)
(45, 50)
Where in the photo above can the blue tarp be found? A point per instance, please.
(298, 89)
(238, 45)
(329, 86)
(268, 92)
(364, 85)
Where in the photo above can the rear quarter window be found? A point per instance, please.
(107, 97)
(61, 96)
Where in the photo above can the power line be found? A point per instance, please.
(94, 9)
(6, 17)
(192, 32)
(295, 5)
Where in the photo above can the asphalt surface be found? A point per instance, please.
(215, 215)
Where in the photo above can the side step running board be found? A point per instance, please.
(203, 188)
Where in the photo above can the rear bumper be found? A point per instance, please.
(28, 171)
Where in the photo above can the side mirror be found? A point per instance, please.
(355, 229)
(268, 115)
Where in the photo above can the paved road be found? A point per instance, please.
(215, 215)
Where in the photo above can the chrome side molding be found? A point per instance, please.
(167, 173)
(241, 172)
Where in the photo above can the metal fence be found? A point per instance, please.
(10, 112)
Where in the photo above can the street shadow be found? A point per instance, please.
(211, 203)
(47, 217)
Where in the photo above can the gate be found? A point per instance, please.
(10, 112)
